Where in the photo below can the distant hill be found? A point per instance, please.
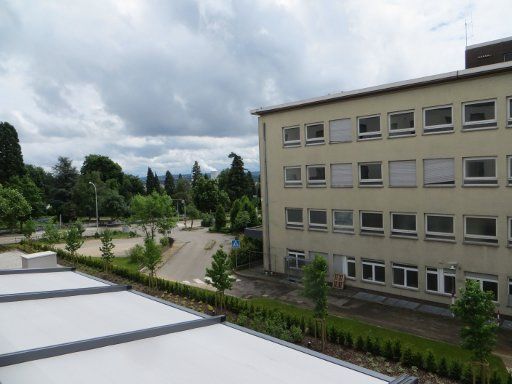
(188, 176)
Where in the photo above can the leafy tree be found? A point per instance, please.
(219, 275)
(206, 194)
(14, 208)
(242, 221)
(237, 181)
(196, 173)
(51, 234)
(182, 192)
(113, 204)
(83, 196)
(220, 218)
(65, 177)
(74, 238)
(151, 211)
(151, 258)
(193, 214)
(11, 159)
(107, 247)
(29, 228)
(475, 309)
(30, 192)
(131, 186)
(315, 288)
(106, 167)
(42, 179)
(169, 184)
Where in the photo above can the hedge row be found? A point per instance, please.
(389, 349)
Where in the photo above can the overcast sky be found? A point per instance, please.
(164, 83)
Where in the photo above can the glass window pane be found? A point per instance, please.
(479, 112)
(371, 171)
(438, 116)
(292, 134)
(380, 273)
(432, 283)
(510, 109)
(491, 286)
(404, 222)
(294, 215)
(449, 284)
(443, 224)
(412, 279)
(292, 174)
(480, 226)
(401, 120)
(318, 217)
(372, 220)
(369, 124)
(343, 218)
(316, 173)
(367, 272)
(398, 276)
(315, 131)
(481, 168)
(351, 268)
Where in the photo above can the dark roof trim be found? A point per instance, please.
(385, 88)
(486, 43)
(35, 270)
(61, 293)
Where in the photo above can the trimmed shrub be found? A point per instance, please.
(407, 357)
(466, 377)
(417, 359)
(164, 241)
(397, 350)
(387, 351)
(455, 370)
(349, 340)
(430, 363)
(442, 367)
(377, 347)
(360, 343)
(368, 344)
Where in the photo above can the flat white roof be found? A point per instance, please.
(101, 333)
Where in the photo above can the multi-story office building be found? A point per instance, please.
(404, 188)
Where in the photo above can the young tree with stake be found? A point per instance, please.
(107, 247)
(219, 275)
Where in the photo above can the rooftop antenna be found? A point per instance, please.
(468, 27)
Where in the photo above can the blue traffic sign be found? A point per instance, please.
(235, 244)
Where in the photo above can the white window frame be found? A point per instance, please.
(316, 183)
(489, 280)
(314, 140)
(431, 235)
(404, 232)
(373, 264)
(370, 182)
(483, 239)
(297, 256)
(492, 123)
(371, 230)
(509, 169)
(440, 274)
(295, 183)
(509, 111)
(291, 143)
(315, 226)
(369, 135)
(480, 181)
(405, 268)
(342, 228)
(294, 224)
(431, 129)
(401, 132)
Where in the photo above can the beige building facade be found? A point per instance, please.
(404, 188)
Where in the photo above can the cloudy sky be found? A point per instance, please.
(164, 83)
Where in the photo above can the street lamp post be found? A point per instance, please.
(96, 197)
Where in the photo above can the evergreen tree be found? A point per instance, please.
(11, 159)
(220, 218)
(196, 173)
(169, 186)
(237, 180)
(65, 177)
(150, 182)
(157, 187)
(131, 186)
(106, 248)
(250, 185)
(219, 275)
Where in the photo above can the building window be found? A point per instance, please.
(370, 174)
(315, 134)
(293, 176)
(438, 172)
(318, 219)
(405, 276)
(341, 175)
(345, 265)
(402, 173)
(510, 292)
(509, 231)
(374, 271)
(509, 111)
(479, 114)
(403, 224)
(509, 170)
(371, 223)
(294, 218)
(342, 221)
(340, 131)
(368, 127)
(480, 171)
(296, 259)
(439, 227)
(316, 175)
(291, 136)
(440, 280)
(480, 229)
(438, 119)
(488, 283)
(401, 123)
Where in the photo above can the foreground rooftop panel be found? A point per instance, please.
(111, 334)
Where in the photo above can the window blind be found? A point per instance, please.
(402, 173)
(340, 131)
(341, 175)
(439, 171)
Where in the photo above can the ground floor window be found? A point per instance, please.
(374, 271)
(510, 292)
(405, 276)
(487, 284)
(345, 265)
(441, 280)
(296, 259)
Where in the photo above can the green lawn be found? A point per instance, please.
(125, 263)
(356, 327)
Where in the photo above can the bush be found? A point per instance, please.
(495, 378)
(430, 363)
(387, 351)
(349, 340)
(207, 220)
(442, 367)
(397, 350)
(417, 359)
(164, 241)
(407, 357)
(132, 234)
(455, 370)
(360, 343)
(136, 254)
